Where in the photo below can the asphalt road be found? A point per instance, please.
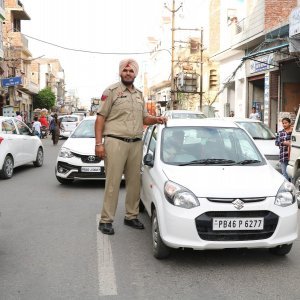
(50, 249)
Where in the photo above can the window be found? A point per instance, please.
(213, 79)
(23, 129)
(8, 127)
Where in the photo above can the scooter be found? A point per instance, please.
(44, 132)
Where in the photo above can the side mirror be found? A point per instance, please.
(148, 160)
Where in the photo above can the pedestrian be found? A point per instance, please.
(283, 141)
(231, 114)
(18, 116)
(118, 132)
(254, 115)
(36, 127)
(54, 128)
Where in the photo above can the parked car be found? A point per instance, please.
(293, 168)
(68, 124)
(209, 187)
(264, 139)
(183, 114)
(18, 146)
(76, 158)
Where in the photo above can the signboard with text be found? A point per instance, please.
(12, 81)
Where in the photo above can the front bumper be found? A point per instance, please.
(181, 228)
(71, 170)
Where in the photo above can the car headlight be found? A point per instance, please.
(285, 195)
(65, 153)
(179, 195)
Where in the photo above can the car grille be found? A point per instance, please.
(79, 174)
(204, 226)
(89, 159)
(230, 200)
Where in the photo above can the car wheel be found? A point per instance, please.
(296, 182)
(160, 250)
(7, 168)
(281, 249)
(64, 180)
(141, 206)
(39, 158)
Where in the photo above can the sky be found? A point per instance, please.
(107, 26)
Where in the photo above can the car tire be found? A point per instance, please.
(160, 250)
(64, 181)
(296, 182)
(281, 250)
(141, 206)
(39, 158)
(7, 168)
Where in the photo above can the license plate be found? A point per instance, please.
(90, 169)
(238, 223)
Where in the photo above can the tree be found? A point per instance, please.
(44, 99)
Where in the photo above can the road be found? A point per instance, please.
(50, 248)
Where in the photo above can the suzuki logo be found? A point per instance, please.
(238, 204)
(91, 158)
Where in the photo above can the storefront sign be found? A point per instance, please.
(262, 63)
(11, 81)
(266, 98)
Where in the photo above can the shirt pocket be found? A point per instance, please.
(139, 104)
(120, 103)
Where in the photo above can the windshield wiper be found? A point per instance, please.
(209, 161)
(248, 162)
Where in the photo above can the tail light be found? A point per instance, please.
(1, 139)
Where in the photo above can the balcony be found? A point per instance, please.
(250, 30)
(19, 12)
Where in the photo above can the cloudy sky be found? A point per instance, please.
(111, 26)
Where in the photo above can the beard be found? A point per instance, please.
(127, 82)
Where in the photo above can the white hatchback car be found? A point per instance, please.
(18, 146)
(264, 139)
(76, 158)
(68, 123)
(205, 185)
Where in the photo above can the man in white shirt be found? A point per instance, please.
(254, 115)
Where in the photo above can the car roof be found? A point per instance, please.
(211, 122)
(184, 111)
(89, 118)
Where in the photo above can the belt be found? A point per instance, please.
(127, 140)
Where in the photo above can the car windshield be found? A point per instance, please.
(86, 129)
(258, 130)
(208, 146)
(187, 116)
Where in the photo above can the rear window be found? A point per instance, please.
(69, 119)
(187, 116)
(8, 127)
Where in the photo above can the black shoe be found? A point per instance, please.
(135, 223)
(106, 228)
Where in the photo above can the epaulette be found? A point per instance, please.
(113, 86)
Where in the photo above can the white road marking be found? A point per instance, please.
(106, 271)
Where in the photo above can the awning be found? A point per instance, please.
(265, 51)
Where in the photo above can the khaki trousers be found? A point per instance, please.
(121, 157)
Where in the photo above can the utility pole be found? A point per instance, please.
(201, 67)
(173, 11)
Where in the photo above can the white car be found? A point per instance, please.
(68, 123)
(18, 146)
(183, 114)
(264, 139)
(76, 158)
(209, 187)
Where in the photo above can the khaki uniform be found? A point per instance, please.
(124, 112)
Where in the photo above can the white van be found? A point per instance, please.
(293, 168)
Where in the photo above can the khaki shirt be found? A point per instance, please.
(123, 110)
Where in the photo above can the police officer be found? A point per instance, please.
(118, 132)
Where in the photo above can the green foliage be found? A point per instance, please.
(44, 99)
